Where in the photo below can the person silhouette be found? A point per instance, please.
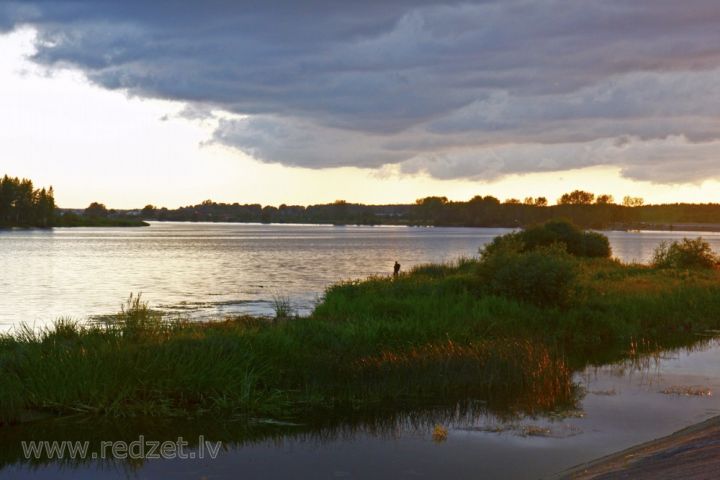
(396, 269)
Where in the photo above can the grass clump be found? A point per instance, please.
(283, 308)
(687, 253)
(136, 320)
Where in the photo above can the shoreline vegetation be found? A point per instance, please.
(505, 330)
(583, 208)
(24, 206)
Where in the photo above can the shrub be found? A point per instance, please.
(554, 231)
(595, 245)
(575, 241)
(503, 245)
(687, 253)
(545, 276)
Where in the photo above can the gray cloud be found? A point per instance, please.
(471, 89)
(292, 142)
(657, 160)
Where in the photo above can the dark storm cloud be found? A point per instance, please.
(471, 89)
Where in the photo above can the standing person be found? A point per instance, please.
(396, 269)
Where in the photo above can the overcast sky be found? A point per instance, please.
(172, 102)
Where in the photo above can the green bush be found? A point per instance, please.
(554, 231)
(687, 253)
(575, 241)
(545, 276)
(503, 245)
(595, 244)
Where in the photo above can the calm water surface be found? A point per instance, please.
(203, 269)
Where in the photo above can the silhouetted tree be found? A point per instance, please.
(268, 213)
(629, 201)
(96, 209)
(577, 197)
(149, 211)
(45, 209)
(22, 205)
(604, 199)
(430, 208)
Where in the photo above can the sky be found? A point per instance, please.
(132, 102)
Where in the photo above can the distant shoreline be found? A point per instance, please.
(630, 227)
(668, 227)
(479, 211)
(110, 224)
(633, 227)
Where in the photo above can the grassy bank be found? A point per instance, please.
(139, 365)
(506, 329)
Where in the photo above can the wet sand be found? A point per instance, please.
(691, 453)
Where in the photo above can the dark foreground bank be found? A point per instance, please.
(691, 453)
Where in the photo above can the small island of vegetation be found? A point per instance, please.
(507, 328)
(22, 205)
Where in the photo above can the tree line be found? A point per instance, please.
(23, 205)
(583, 208)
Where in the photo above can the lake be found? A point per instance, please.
(204, 270)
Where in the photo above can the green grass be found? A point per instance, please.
(613, 304)
(435, 335)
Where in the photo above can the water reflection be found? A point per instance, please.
(207, 270)
(616, 405)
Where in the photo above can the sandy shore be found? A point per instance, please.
(691, 453)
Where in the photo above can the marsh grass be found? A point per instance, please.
(283, 308)
(140, 365)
